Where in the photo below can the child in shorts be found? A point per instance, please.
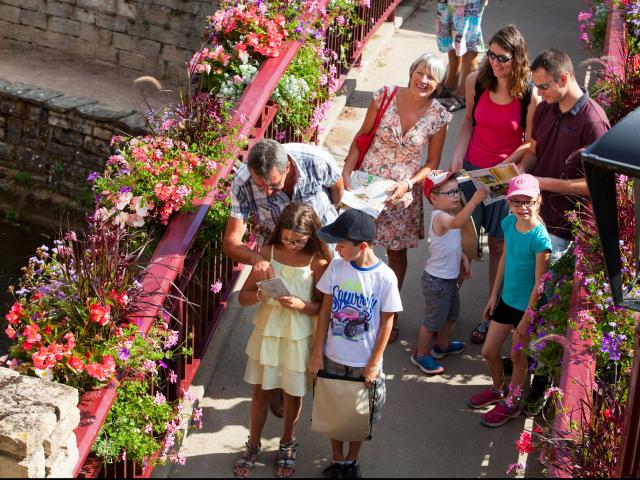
(440, 285)
(356, 317)
(525, 259)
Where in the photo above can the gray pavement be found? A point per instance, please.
(427, 430)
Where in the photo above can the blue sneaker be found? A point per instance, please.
(427, 364)
(454, 348)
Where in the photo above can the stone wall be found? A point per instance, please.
(154, 37)
(37, 419)
(49, 143)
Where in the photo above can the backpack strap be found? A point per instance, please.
(476, 99)
(524, 104)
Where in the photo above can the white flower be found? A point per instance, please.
(142, 209)
(121, 219)
(123, 200)
(44, 374)
(135, 220)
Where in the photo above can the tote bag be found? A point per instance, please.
(341, 408)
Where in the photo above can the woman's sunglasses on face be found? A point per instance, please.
(498, 58)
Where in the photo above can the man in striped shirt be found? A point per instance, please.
(274, 176)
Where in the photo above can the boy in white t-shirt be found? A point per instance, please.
(356, 317)
(440, 285)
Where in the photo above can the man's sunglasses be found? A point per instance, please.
(543, 86)
(498, 58)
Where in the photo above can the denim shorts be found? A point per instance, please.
(441, 301)
(487, 216)
(377, 395)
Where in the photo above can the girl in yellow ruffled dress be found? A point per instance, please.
(279, 347)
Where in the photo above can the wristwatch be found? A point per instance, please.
(409, 182)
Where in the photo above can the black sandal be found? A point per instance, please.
(455, 102)
(246, 461)
(479, 333)
(286, 463)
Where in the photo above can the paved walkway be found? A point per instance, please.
(427, 430)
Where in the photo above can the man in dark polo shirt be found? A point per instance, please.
(563, 124)
(566, 122)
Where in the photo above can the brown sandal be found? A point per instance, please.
(286, 463)
(395, 330)
(393, 337)
(246, 462)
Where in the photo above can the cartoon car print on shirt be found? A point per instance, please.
(351, 320)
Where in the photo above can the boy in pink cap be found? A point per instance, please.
(524, 260)
(440, 277)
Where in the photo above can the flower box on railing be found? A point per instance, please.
(579, 364)
(577, 375)
(176, 267)
(253, 115)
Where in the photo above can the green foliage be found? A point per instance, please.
(300, 89)
(24, 178)
(124, 429)
(551, 316)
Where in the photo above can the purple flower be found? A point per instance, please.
(125, 189)
(611, 344)
(93, 176)
(123, 354)
(162, 364)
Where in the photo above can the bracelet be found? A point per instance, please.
(409, 182)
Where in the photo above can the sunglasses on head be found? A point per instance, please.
(498, 58)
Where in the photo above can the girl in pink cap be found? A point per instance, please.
(524, 260)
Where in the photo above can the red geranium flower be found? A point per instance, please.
(99, 314)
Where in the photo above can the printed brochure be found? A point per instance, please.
(273, 288)
(368, 193)
(495, 179)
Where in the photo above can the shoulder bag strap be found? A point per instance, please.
(384, 105)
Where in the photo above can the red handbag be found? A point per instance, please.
(363, 141)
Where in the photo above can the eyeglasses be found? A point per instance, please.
(520, 203)
(269, 186)
(295, 243)
(498, 58)
(450, 193)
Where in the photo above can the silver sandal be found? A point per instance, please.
(286, 459)
(246, 461)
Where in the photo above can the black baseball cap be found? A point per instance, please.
(352, 224)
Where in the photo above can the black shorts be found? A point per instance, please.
(507, 315)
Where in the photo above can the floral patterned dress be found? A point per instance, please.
(397, 157)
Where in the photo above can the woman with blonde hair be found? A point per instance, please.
(414, 120)
(501, 101)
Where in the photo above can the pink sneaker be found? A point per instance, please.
(486, 397)
(499, 415)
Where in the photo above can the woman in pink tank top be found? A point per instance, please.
(496, 130)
